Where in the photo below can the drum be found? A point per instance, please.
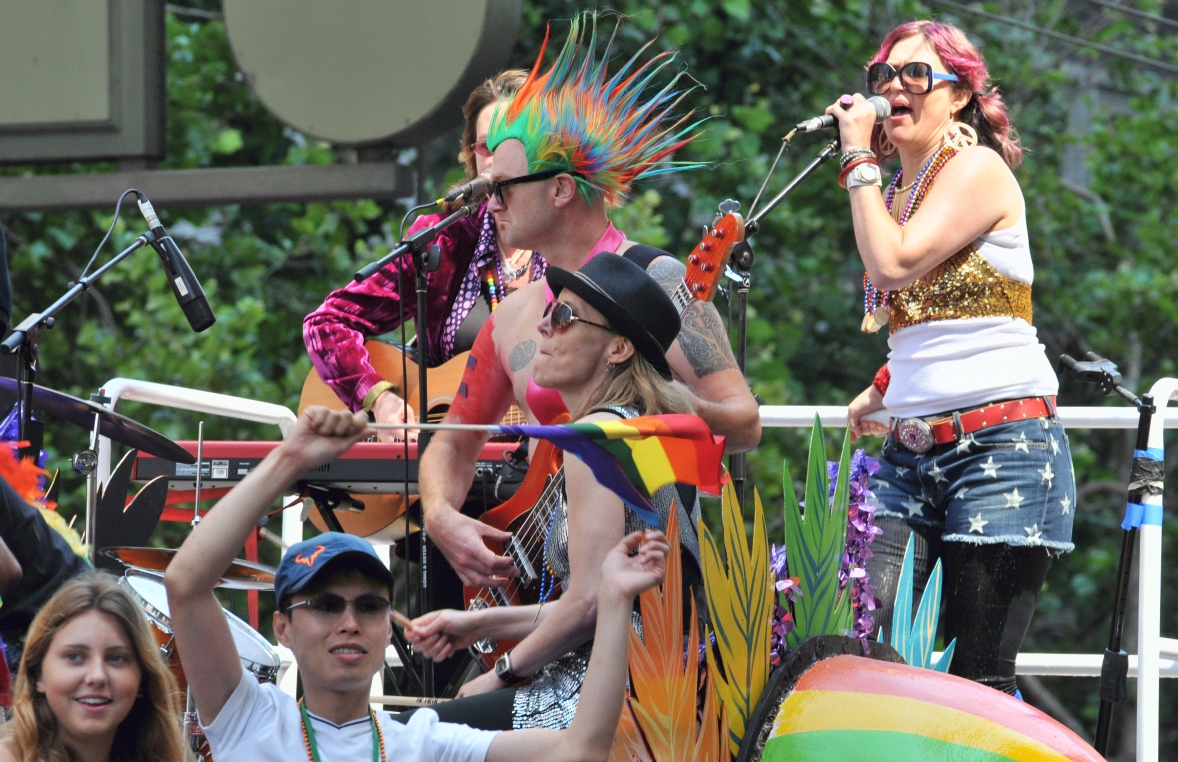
(147, 590)
(256, 654)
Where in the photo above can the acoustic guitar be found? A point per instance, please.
(381, 511)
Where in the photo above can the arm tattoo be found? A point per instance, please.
(668, 272)
(704, 340)
(521, 355)
(702, 337)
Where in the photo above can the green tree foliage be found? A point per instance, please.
(765, 65)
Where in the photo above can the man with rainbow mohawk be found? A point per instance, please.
(567, 146)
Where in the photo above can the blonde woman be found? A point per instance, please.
(92, 686)
(603, 344)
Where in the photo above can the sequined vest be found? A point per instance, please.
(963, 286)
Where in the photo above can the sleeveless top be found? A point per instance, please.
(550, 700)
(961, 334)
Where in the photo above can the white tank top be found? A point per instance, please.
(947, 365)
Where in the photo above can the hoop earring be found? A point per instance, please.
(961, 136)
(609, 365)
(886, 147)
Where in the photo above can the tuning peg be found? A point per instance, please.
(693, 259)
(728, 206)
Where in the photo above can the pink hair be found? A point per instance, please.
(986, 111)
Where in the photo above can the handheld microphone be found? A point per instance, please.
(475, 190)
(826, 121)
(185, 286)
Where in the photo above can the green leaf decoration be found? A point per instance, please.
(914, 639)
(815, 542)
(740, 602)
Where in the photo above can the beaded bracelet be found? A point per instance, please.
(851, 154)
(883, 378)
(847, 169)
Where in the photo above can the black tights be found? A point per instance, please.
(990, 592)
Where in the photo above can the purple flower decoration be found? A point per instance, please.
(861, 530)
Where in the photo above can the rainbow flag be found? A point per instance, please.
(635, 457)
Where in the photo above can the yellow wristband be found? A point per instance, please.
(378, 389)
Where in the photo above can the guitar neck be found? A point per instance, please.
(681, 297)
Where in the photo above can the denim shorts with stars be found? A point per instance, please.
(1012, 483)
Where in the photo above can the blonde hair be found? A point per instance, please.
(636, 384)
(151, 731)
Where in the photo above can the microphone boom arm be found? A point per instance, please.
(829, 152)
(418, 242)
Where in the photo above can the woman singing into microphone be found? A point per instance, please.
(976, 463)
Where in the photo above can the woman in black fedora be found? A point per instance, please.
(604, 338)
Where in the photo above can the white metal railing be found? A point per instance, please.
(1157, 656)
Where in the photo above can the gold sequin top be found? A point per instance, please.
(963, 286)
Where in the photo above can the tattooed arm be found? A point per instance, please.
(702, 359)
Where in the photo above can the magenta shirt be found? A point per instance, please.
(336, 331)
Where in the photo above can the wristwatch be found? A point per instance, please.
(865, 174)
(503, 670)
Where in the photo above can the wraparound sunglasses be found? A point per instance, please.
(496, 186)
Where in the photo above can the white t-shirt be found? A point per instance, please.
(260, 722)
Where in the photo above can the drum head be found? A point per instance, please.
(258, 656)
(148, 591)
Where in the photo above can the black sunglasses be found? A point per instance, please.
(495, 187)
(917, 77)
(563, 316)
(332, 605)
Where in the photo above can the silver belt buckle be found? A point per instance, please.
(915, 434)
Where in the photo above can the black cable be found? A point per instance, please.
(105, 238)
(418, 208)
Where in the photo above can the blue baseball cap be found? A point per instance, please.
(305, 561)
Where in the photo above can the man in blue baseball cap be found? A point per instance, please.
(334, 615)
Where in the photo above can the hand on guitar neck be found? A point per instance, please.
(390, 408)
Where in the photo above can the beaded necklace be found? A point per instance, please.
(313, 747)
(875, 302)
(497, 280)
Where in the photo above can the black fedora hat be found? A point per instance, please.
(633, 303)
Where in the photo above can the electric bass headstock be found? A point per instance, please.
(709, 259)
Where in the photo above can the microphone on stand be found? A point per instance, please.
(475, 190)
(826, 121)
(185, 286)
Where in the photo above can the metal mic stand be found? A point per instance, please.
(1145, 478)
(426, 259)
(24, 339)
(742, 264)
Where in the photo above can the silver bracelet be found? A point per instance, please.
(854, 154)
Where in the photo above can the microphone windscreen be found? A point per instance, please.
(883, 109)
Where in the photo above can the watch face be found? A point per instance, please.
(868, 172)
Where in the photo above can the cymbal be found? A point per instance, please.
(241, 575)
(116, 427)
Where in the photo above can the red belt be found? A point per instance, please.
(919, 435)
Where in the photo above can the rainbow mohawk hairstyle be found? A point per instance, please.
(603, 129)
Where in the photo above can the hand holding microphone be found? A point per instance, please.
(854, 115)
